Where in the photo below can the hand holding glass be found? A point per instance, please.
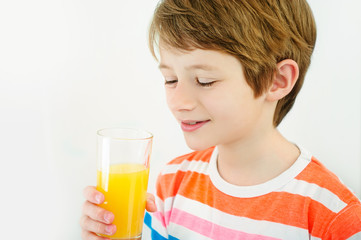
(122, 176)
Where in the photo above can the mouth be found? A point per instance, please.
(191, 125)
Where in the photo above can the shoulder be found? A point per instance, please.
(332, 204)
(327, 182)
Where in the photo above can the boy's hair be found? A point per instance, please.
(260, 33)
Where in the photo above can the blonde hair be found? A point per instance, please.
(259, 33)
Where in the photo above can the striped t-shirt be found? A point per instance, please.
(306, 201)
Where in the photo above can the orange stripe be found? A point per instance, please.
(318, 174)
(168, 185)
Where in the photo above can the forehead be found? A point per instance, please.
(171, 57)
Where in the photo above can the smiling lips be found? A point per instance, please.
(190, 126)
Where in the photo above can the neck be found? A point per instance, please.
(257, 159)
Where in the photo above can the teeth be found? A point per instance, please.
(192, 123)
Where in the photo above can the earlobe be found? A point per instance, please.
(283, 80)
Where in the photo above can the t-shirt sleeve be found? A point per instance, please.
(155, 223)
(346, 224)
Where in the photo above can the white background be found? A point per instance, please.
(68, 68)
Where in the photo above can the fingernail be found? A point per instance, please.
(97, 198)
(107, 217)
(109, 229)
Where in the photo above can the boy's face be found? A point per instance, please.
(207, 93)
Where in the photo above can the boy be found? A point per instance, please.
(232, 72)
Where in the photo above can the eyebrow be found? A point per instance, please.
(191, 67)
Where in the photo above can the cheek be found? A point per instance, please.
(168, 99)
(224, 104)
(235, 108)
(171, 105)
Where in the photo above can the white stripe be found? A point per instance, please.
(315, 238)
(315, 192)
(165, 206)
(159, 203)
(181, 232)
(147, 232)
(356, 236)
(251, 226)
(186, 165)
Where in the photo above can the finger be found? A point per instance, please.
(86, 235)
(91, 225)
(92, 195)
(150, 204)
(97, 213)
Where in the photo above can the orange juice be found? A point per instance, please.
(124, 187)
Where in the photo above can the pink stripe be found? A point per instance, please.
(160, 217)
(164, 219)
(210, 229)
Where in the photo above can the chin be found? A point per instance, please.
(197, 144)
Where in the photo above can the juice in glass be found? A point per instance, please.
(124, 187)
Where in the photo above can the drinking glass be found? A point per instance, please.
(122, 176)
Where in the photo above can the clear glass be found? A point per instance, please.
(122, 176)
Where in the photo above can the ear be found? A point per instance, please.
(283, 80)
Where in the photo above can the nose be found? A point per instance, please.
(182, 97)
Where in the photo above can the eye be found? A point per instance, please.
(205, 82)
(170, 82)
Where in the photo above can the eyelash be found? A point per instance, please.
(207, 84)
(170, 82)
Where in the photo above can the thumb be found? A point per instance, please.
(150, 204)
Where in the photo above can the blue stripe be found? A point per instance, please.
(155, 234)
(173, 238)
